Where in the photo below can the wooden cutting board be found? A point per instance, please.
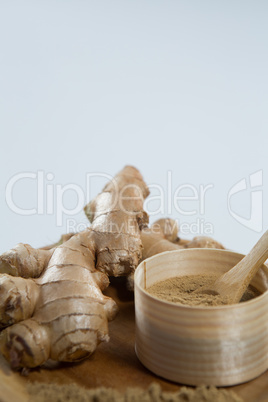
(114, 364)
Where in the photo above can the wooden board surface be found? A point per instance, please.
(114, 364)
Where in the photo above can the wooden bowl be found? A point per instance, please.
(223, 345)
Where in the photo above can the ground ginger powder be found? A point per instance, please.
(73, 393)
(180, 290)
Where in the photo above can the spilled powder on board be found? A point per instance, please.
(73, 393)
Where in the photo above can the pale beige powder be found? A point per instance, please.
(180, 290)
(73, 393)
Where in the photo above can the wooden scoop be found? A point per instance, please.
(232, 285)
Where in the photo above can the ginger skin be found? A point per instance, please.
(163, 236)
(51, 301)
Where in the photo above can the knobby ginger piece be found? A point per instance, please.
(51, 301)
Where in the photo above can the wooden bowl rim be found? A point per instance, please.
(256, 300)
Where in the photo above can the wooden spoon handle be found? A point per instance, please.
(257, 256)
(242, 273)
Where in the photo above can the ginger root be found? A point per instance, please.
(163, 236)
(51, 301)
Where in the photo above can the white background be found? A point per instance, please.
(168, 86)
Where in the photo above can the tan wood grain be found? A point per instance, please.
(113, 365)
